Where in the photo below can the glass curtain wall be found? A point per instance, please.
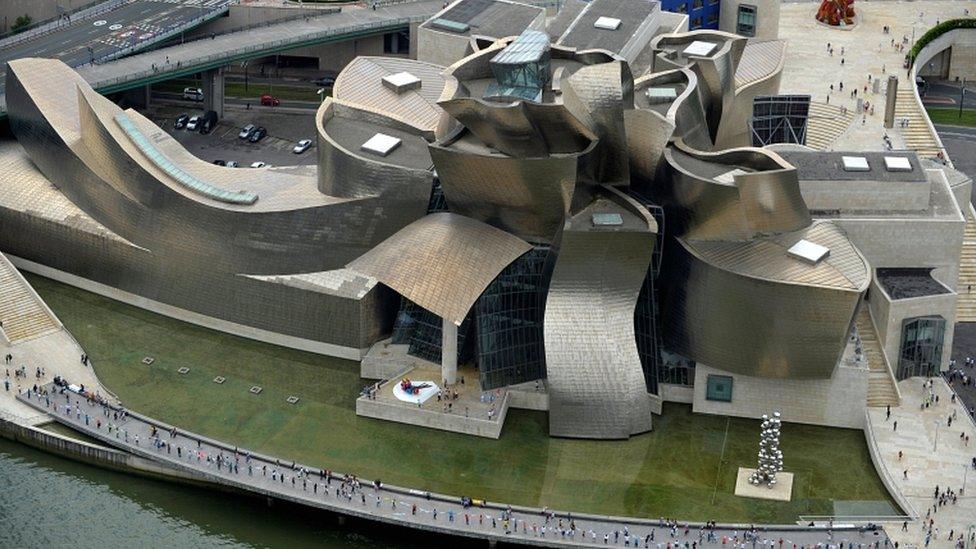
(921, 346)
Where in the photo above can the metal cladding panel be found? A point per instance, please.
(763, 327)
(648, 134)
(762, 201)
(596, 382)
(442, 262)
(528, 197)
(598, 95)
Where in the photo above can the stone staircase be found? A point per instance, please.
(825, 124)
(881, 386)
(23, 314)
(917, 135)
(966, 303)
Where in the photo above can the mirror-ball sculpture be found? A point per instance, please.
(770, 456)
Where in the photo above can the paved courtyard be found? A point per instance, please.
(934, 454)
(810, 69)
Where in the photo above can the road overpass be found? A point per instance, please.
(130, 26)
(208, 54)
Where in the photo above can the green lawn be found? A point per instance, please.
(951, 116)
(254, 90)
(674, 471)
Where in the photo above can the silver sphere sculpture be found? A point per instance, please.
(770, 456)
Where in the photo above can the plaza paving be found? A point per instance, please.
(934, 454)
(810, 69)
(684, 468)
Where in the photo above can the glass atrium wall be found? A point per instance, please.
(921, 346)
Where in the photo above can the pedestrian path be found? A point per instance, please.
(933, 453)
(268, 476)
(23, 315)
(966, 302)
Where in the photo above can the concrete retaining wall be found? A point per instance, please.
(433, 419)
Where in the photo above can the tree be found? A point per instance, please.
(21, 24)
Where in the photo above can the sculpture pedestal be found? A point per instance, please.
(781, 492)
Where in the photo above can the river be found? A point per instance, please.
(48, 501)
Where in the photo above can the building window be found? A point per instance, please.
(719, 388)
(676, 369)
(712, 18)
(746, 21)
(713, 2)
(697, 4)
(681, 8)
(695, 23)
(921, 346)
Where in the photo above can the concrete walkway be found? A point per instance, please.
(810, 69)
(933, 455)
(192, 453)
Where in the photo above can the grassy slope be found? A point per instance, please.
(674, 471)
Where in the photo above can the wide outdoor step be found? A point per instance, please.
(23, 315)
(966, 302)
(881, 387)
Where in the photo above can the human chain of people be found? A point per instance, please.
(347, 494)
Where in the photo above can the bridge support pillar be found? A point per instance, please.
(449, 340)
(213, 91)
(342, 520)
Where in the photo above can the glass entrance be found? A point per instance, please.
(921, 346)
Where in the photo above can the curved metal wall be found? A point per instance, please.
(595, 379)
(752, 326)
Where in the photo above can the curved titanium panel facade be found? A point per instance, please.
(442, 262)
(595, 379)
(782, 324)
(763, 196)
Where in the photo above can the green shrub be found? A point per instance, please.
(939, 30)
(21, 24)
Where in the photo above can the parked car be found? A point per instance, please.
(193, 124)
(193, 94)
(208, 121)
(181, 121)
(258, 134)
(268, 100)
(246, 131)
(258, 165)
(302, 146)
(232, 164)
(220, 162)
(325, 81)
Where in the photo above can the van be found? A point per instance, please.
(193, 94)
(208, 122)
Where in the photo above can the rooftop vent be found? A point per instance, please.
(897, 164)
(401, 82)
(728, 178)
(607, 220)
(809, 252)
(699, 48)
(855, 164)
(381, 144)
(607, 23)
(448, 25)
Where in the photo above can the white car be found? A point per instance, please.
(194, 124)
(193, 94)
(232, 164)
(302, 146)
(259, 165)
(246, 131)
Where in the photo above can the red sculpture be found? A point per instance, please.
(833, 12)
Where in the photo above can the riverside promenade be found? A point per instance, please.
(221, 464)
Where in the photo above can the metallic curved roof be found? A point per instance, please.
(361, 84)
(767, 258)
(442, 262)
(760, 58)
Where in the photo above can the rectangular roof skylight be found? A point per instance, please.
(855, 164)
(607, 23)
(809, 251)
(607, 219)
(401, 82)
(381, 144)
(699, 48)
(897, 164)
(448, 25)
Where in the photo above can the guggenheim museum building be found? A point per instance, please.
(569, 198)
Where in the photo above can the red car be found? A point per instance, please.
(268, 100)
